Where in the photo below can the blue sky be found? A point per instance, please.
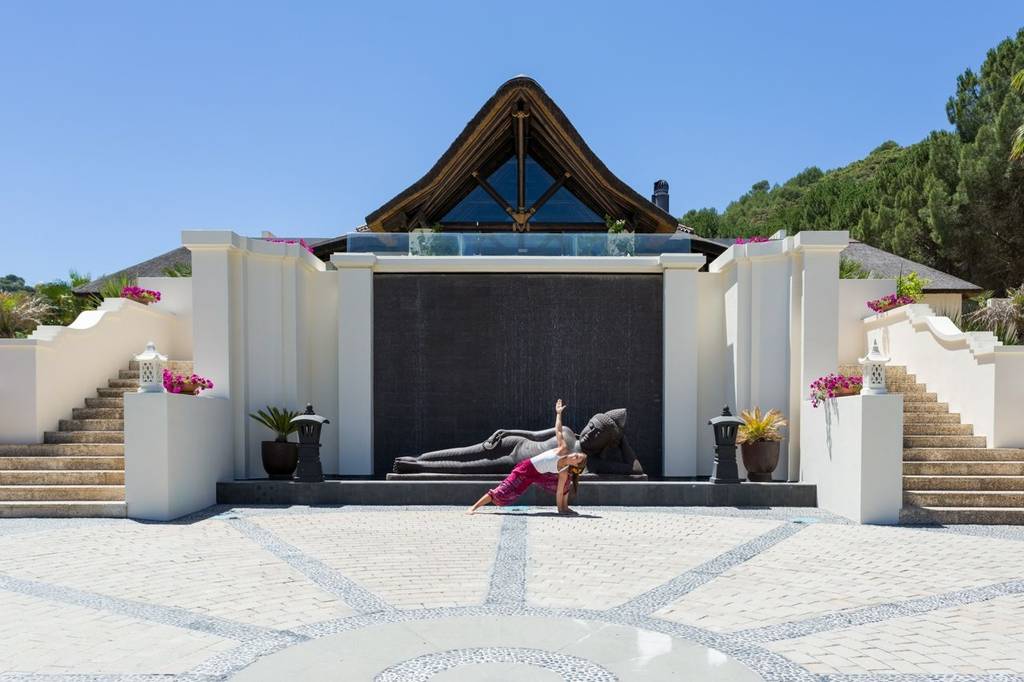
(123, 123)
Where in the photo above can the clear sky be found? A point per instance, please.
(123, 123)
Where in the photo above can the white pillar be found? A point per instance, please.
(819, 310)
(355, 362)
(218, 321)
(680, 363)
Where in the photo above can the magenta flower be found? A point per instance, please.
(886, 303)
(756, 239)
(140, 295)
(830, 385)
(179, 383)
(300, 242)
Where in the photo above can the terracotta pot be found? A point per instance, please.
(279, 459)
(853, 390)
(760, 459)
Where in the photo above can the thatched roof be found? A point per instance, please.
(154, 267)
(888, 265)
(489, 139)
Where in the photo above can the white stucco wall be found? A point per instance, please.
(948, 305)
(175, 298)
(853, 310)
(176, 448)
(852, 450)
(54, 369)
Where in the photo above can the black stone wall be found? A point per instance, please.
(457, 356)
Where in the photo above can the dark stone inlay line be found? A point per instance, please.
(839, 620)
(102, 677)
(325, 577)
(925, 677)
(423, 668)
(666, 593)
(508, 578)
(166, 615)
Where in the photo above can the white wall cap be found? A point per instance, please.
(353, 260)
(685, 261)
(594, 264)
(194, 239)
(821, 240)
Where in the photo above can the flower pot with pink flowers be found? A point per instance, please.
(834, 386)
(190, 384)
(140, 295)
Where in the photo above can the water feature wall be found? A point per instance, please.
(459, 355)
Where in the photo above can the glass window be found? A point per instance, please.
(479, 207)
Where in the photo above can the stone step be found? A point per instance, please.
(961, 454)
(983, 483)
(65, 509)
(963, 498)
(890, 371)
(920, 398)
(933, 429)
(61, 493)
(91, 425)
(917, 407)
(101, 413)
(133, 365)
(922, 441)
(57, 463)
(105, 403)
(42, 477)
(114, 392)
(83, 437)
(979, 468)
(904, 387)
(128, 374)
(957, 515)
(931, 417)
(123, 383)
(62, 450)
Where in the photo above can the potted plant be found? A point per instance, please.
(909, 289)
(140, 295)
(759, 439)
(834, 386)
(433, 242)
(279, 456)
(189, 385)
(621, 242)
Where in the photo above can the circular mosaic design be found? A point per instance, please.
(422, 668)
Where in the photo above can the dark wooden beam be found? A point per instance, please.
(520, 115)
(494, 194)
(549, 192)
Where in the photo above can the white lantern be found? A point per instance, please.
(873, 370)
(151, 369)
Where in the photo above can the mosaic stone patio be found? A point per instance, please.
(390, 594)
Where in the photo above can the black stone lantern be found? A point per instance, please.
(309, 470)
(726, 429)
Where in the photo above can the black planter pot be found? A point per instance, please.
(279, 459)
(760, 459)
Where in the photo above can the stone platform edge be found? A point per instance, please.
(604, 493)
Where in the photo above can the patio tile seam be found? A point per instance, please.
(839, 620)
(323, 576)
(156, 613)
(684, 583)
(925, 677)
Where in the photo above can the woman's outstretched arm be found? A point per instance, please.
(559, 436)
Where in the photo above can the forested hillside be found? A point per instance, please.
(954, 200)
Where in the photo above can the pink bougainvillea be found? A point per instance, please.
(300, 242)
(881, 305)
(179, 383)
(833, 385)
(140, 295)
(756, 239)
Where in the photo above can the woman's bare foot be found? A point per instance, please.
(470, 511)
(568, 512)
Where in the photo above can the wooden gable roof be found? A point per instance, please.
(519, 120)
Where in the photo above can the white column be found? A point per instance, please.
(819, 309)
(218, 309)
(355, 362)
(680, 363)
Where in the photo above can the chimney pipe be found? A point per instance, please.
(660, 196)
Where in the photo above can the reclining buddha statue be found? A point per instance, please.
(603, 439)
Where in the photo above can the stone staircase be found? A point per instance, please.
(949, 474)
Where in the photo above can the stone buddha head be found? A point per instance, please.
(602, 431)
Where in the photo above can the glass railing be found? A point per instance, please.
(516, 243)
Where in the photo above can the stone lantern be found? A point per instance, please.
(726, 429)
(309, 469)
(873, 370)
(151, 369)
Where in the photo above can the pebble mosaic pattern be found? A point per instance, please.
(422, 668)
(507, 595)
